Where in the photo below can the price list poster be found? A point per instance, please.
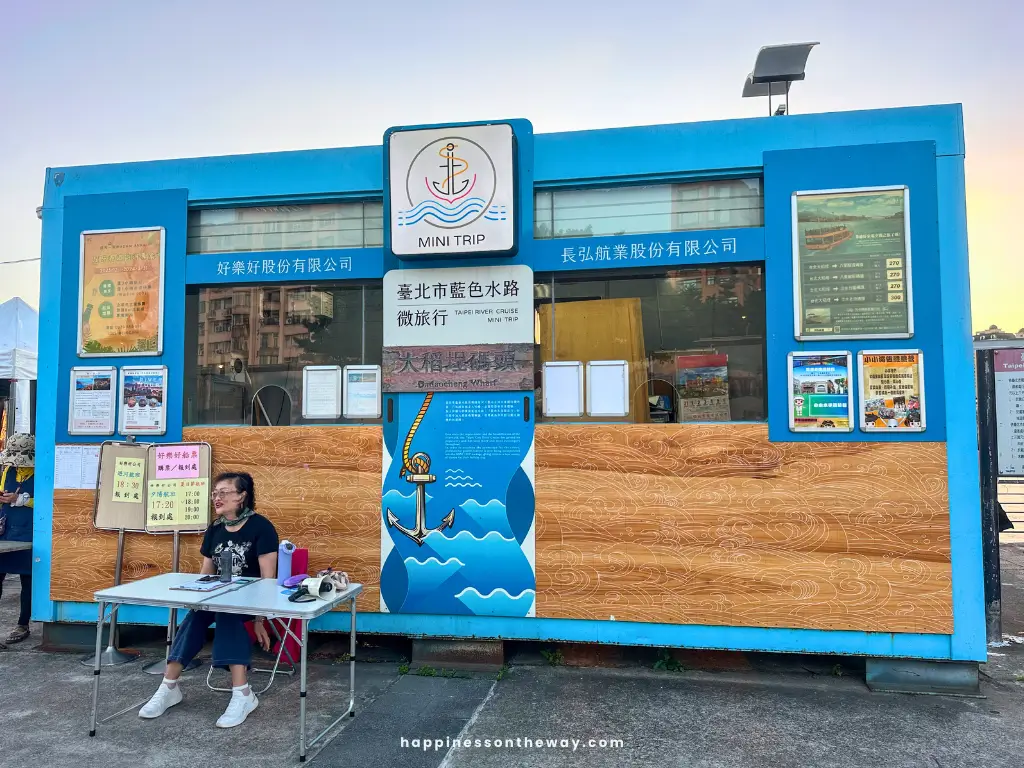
(852, 270)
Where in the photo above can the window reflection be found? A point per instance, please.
(251, 339)
(640, 210)
(694, 338)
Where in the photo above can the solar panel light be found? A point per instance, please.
(776, 68)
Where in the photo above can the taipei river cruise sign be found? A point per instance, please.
(452, 190)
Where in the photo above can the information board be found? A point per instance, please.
(851, 270)
(321, 391)
(143, 394)
(120, 497)
(1009, 371)
(178, 487)
(93, 398)
(608, 388)
(562, 386)
(820, 393)
(891, 390)
(361, 392)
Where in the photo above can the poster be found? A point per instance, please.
(143, 401)
(128, 480)
(852, 264)
(76, 467)
(362, 391)
(819, 391)
(457, 514)
(178, 504)
(1009, 372)
(93, 398)
(121, 293)
(702, 384)
(177, 461)
(321, 392)
(891, 391)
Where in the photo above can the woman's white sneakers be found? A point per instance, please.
(239, 707)
(164, 698)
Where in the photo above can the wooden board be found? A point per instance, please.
(688, 524)
(712, 524)
(110, 514)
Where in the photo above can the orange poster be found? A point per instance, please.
(122, 288)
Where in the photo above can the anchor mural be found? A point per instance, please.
(416, 470)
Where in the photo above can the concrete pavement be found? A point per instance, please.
(781, 712)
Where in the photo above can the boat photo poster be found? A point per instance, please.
(820, 398)
(851, 275)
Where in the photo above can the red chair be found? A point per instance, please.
(283, 646)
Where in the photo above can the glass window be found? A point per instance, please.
(641, 210)
(285, 227)
(694, 337)
(247, 366)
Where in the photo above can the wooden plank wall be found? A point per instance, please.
(687, 524)
(692, 524)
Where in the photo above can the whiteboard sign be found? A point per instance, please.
(452, 190)
(93, 401)
(321, 392)
(608, 388)
(361, 391)
(563, 388)
(458, 306)
(1009, 371)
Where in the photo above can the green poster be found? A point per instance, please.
(852, 271)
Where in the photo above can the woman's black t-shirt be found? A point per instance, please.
(257, 537)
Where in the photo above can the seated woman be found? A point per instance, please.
(252, 541)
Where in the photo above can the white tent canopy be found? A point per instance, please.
(19, 340)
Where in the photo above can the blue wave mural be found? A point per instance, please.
(466, 551)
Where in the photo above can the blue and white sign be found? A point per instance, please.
(704, 247)
(457, 514)
(284, 266)
(452, 190)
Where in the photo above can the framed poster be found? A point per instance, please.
(120, 292)
(820, 397)
(608, 388)
(93, 397)
(321, 392)
(120, 501)
(851, 264)
(891, 390)
(361, 392)
(143, 393)
(562, 384)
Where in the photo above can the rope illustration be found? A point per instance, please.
(418, 463)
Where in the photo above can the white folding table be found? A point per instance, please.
(263, 597)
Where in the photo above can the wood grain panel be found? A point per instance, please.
(319, 485)
(712, 524)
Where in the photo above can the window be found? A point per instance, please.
(640, 210)
(285, 227)
(694, 337)
(273, 332)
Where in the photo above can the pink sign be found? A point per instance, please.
(177, 461)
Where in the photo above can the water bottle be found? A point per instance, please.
(225, 564)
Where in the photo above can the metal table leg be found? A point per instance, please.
(302, 691)
(96, 667)
(352, 662)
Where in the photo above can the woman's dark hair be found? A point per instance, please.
(243, 484)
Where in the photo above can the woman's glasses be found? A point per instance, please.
(221, 494)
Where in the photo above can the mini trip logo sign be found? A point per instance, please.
(452, 191)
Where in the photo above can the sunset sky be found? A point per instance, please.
(106, 82)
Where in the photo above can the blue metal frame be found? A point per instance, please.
(798, 150)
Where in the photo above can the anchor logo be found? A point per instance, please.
(416, 469)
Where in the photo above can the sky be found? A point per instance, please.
(108, 82)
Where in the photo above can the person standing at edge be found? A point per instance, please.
(252, 542)
(16, 504)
